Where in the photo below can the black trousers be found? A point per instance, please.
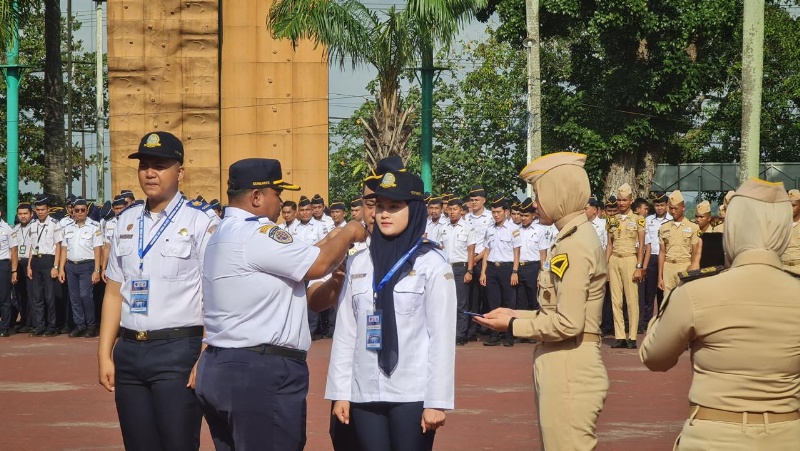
(607, 324)
(23, 305)
(387, 426)
(43, 296)
(648, 292)
(477, 299)
(7, 314)
(343, 436)
(462, 301)
(499, 291)
(157, 411)
(528, 286)
(252, 400)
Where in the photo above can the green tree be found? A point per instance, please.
(54, 182)
(389, 42)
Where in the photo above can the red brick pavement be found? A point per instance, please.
(50, 400)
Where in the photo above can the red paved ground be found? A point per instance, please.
(50, 400)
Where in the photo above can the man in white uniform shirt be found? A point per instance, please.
(318, 212)
(435, 220)
(480, 219)
(592, 214)
(117, 206)
(531, 235)
(308, 229)
(289, 215)
(154, 303)
(79, 266)
(8, 263)
(43, 268)
(263, 329)
(458, 239)
(338, 214)
(22, 243)
(648, 290)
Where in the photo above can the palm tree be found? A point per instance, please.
(391, 44)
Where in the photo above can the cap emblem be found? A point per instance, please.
(388, 181)
(153, 141)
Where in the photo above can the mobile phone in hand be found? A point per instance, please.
(472, 314)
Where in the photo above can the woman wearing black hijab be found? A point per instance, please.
(393, 357)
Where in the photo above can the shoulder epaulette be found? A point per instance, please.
(567, 234)
(128, 208)
(687, 276)
(432, 243)
(203, 206)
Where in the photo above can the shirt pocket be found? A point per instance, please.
(177, 253)
(361, 295)
(85, 239)
(409, 294)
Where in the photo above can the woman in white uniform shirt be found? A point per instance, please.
(396, 378)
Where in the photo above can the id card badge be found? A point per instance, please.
(374, 338)
(22, 249)
(140, 296)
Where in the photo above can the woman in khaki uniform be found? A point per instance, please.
(570, 378)
(743, 326)
(791, 257)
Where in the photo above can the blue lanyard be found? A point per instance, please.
(385, 280)
(144, 251)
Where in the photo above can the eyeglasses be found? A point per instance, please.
(79, 210)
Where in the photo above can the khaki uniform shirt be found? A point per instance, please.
(677, 239)
(745, 336)
(577, 270)
(624, 230)
(791, 258)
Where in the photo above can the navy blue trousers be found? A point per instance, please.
(79, 282)
(388, 426)
(499, 291)
(7, 314)
(648, 292)
(42, 291)
(157, 411)
(253, 401)
(477, 300)
(528, 286)
(462, 302)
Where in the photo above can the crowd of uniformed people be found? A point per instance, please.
(210, 310)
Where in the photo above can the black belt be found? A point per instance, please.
(459, 264)
(42, 255)
(80, 262)
(280, 351)
(161, 334)
(500, 263)
(529, 263)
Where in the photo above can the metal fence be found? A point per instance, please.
(719, 176)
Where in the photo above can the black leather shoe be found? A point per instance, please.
(475, 338)
(65, 330)
(91, 332)
(492, 341)
(4, 333)
(77, 332)
(37, 333)
(25, 329)
(461, 341)
(620, 344)
(50, 333)
(508, 344)
(631, 344)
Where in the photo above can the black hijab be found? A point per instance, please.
(385, 252)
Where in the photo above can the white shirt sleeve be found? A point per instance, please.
(340, 367)
(270, 252)
(440, 309)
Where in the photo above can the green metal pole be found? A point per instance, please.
(12, 75)
(426, 77)
(752, 76)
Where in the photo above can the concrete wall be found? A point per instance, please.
(228, 92)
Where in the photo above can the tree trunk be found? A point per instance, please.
(636, 169)
(387, 131)
(55, 170)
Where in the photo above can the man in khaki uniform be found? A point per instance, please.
(680, 245)
(791, 258)
(625, 256)
(703, 217)
(570, 378)
(744, 336)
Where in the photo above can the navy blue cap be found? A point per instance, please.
(337, 205)
(40, 199)
(25, 205)
(119, 201)
(127, 194)
(80, 202)
(434, 200)
(160, 144)
(660, 197)
(611, 201)
(593, 202)
(499, 201)
(399, 185)
(317, 200)
(215, 205)
(526, 206)
(105, 210)
(257, 173)
(454, 201)
(303, 201)
(477, 191)
(391, 163)
(356, 202)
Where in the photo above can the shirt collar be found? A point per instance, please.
(576, 219)
(233, 212)
(170, 206)
(757, 257)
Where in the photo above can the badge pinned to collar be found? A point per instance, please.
(559, 265)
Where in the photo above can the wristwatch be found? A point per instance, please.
(55, 267)
(638, 266)
(97, 271)
(514, 271)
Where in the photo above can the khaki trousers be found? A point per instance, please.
(703, 435)
(571, 386)
(671, 279)
(620, 270)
